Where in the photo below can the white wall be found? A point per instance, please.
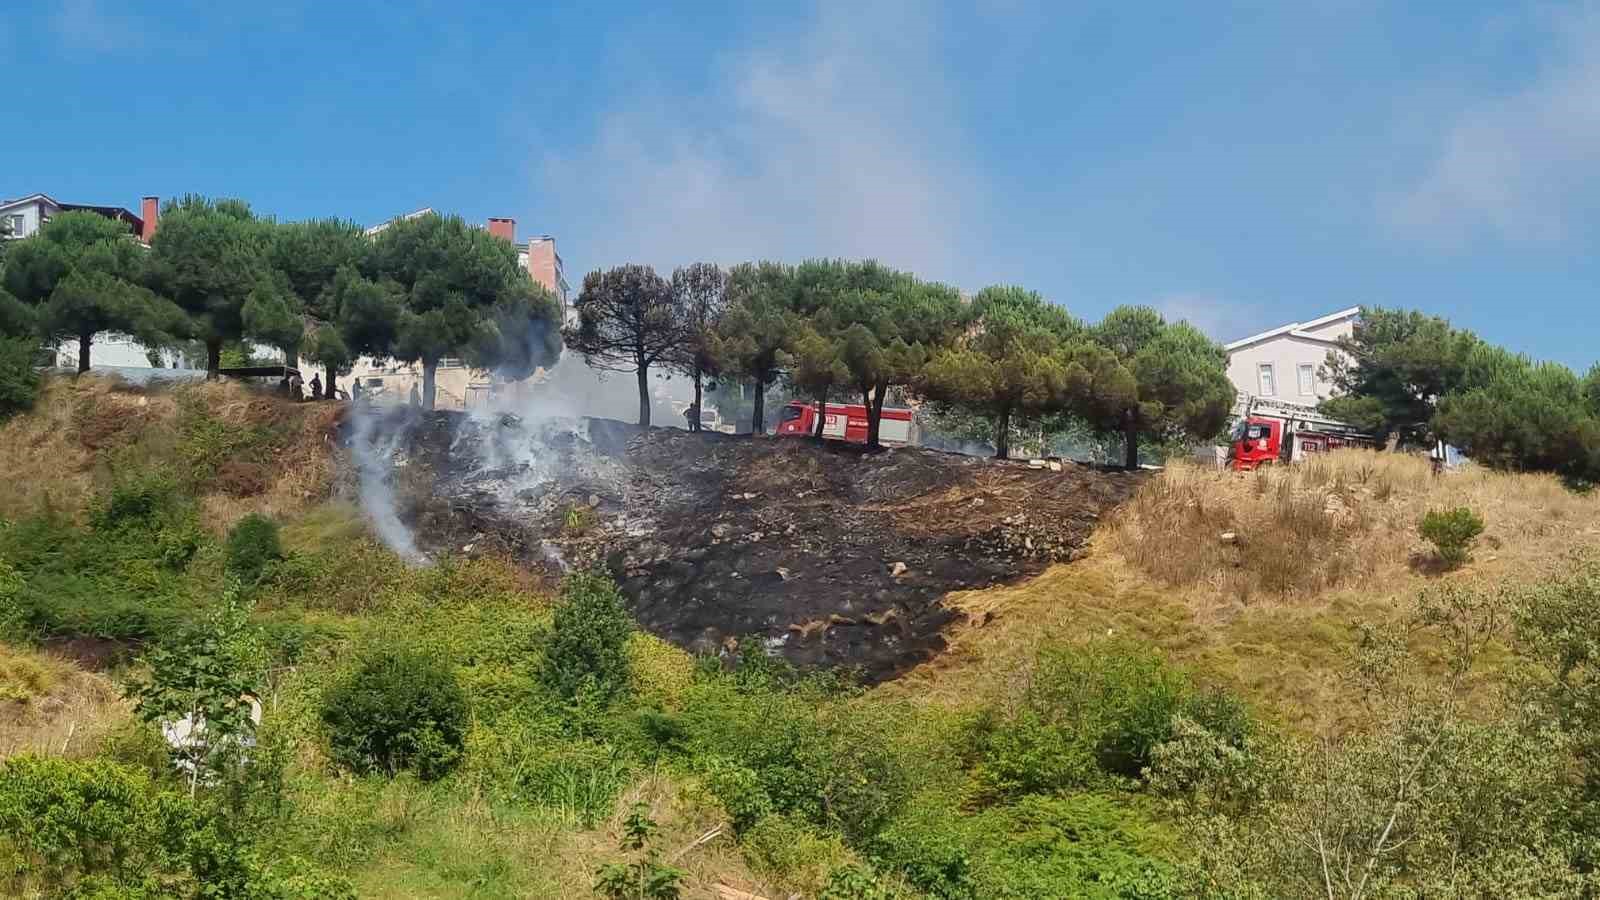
(31, 216)
(1286, 354)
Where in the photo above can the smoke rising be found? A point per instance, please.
(376, 439)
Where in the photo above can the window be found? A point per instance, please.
(1308, 379)
(790, 413)
(1264, 375)
(16, 226)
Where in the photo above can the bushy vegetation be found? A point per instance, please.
(252, 545)
(587, 654)
(1452, 532)
(398, 710)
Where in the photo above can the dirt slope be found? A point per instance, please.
(831, 556)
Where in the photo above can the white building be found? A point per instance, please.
(24, 216)
(1287, 362)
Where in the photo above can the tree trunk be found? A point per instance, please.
(644, 396)
(694, 423)
(1002, 434)
(822, 413)
(1130, 442)
(430, 368)
(83, 352)
(329, 386)
(875, 416)
(213, 358)
(758, 414)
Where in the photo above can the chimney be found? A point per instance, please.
(150, 211)
(504, 228)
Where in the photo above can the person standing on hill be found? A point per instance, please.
(316, 387)
(416, 396)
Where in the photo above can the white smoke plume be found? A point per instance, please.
(375, 441)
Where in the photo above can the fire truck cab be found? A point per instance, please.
(844, 422)
(1281, 432)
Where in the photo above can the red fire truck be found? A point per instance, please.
(1272, 431)
(845, 422)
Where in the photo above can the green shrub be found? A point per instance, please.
(790, 850)
(1088, 712)
(854, 882)
(19, 380)
(1452, 533)
(398, 710)
(252, 546)
(587, 652)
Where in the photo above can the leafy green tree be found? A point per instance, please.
(1511, 413)
(84, 273)
(274, 316)
(1011, 363)
(628, 320)
(1392, 369)
(700, 296)
(209, 256)
(369, 314)
(756, 328)
(206, 676)
(1140, 375)
(307, 259)
(448, 276)
(587, 653)
(889, 325)
(816, 369)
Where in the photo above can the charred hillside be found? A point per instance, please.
(831, 556)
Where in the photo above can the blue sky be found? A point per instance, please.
(1238, 164)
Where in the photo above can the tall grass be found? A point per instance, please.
(1346, 519)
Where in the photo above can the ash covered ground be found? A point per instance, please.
(832, 556)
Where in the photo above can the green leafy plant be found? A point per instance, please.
(1452, 533)
(201, 686)
(252, 546)
(644, 877)
(398, 710)
(587, 653)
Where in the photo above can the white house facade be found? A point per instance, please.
(1287, 362)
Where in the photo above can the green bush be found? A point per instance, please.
(252, 546)
(587, 653)
(1088, 712)
(398, 710)
(19, 380)
(1452, 533)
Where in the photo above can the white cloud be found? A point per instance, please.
(1221, 320)
(1521, 166)
(836, 141)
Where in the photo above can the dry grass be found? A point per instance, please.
(83, 428)
(1321, 547)
(1346, 521)
(49, 705)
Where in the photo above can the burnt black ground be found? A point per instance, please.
(832, 556)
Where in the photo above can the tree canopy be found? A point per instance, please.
(699, 294)
(1014, 360)
(449, 278)
(757, 327)
(84, 273)
(209, 256)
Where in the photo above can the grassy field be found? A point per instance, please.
(1250, 583)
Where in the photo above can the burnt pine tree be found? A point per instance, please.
(756, 327)
(1012, 362)
(700, 294)
(1143, 376)
(815, 366)
(83, 275)
(628, 320)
